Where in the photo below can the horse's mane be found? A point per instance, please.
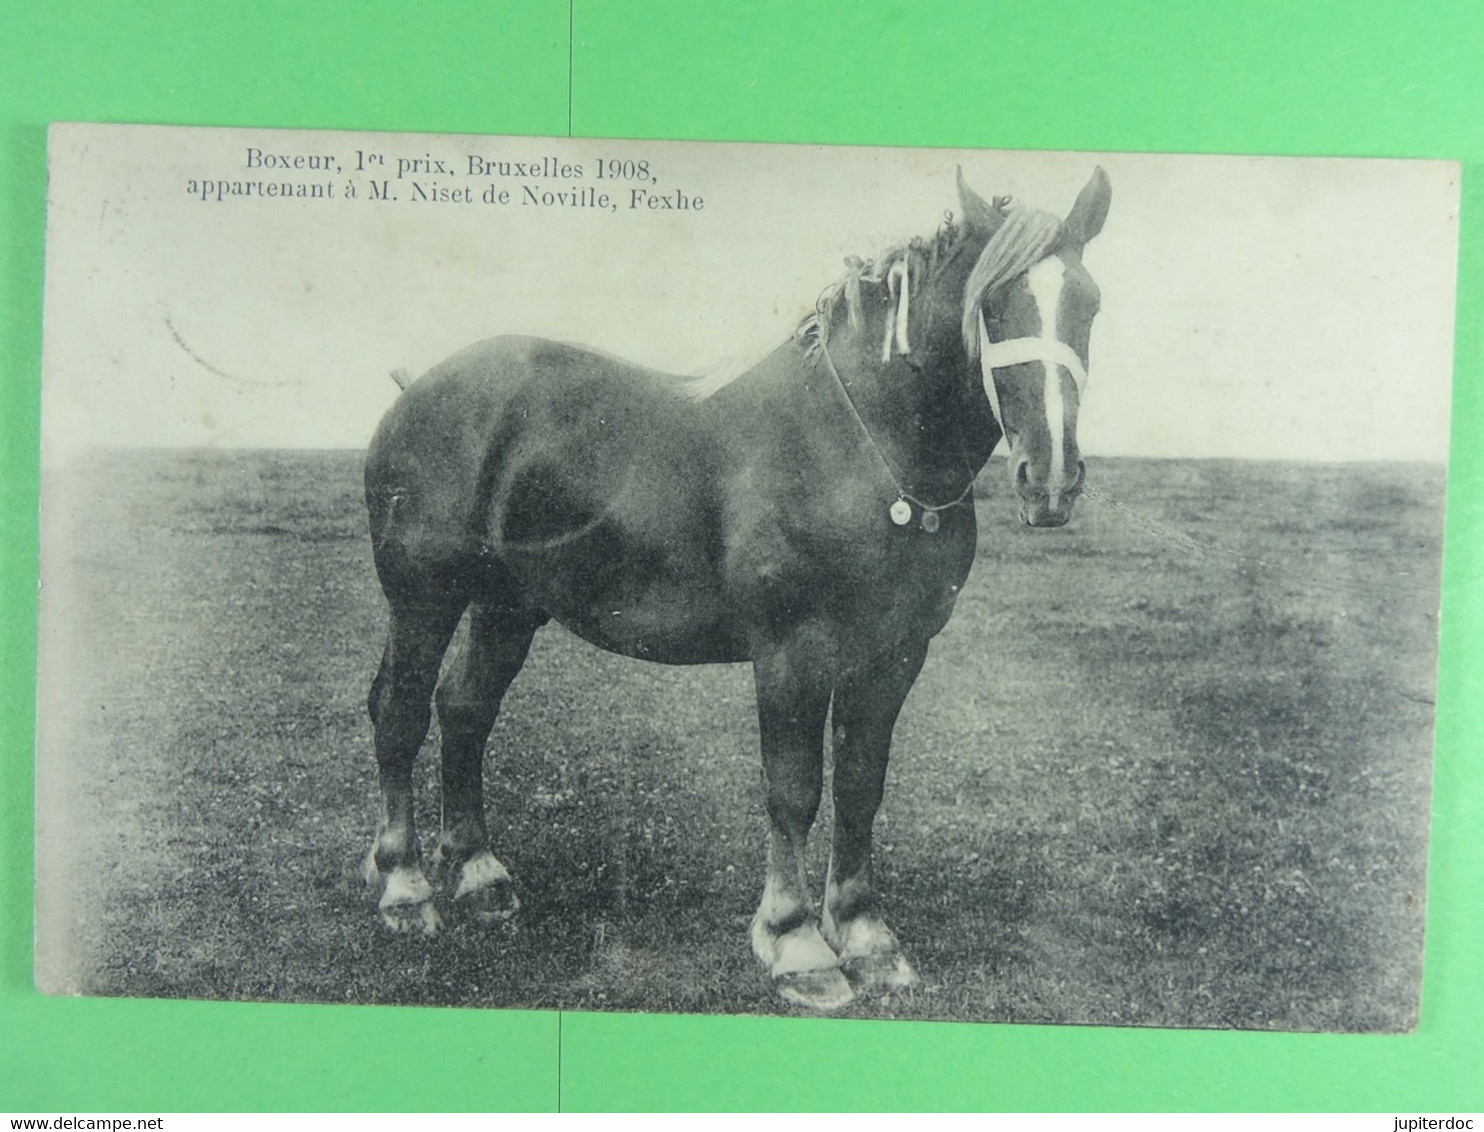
(1025, 238)
(814, 331)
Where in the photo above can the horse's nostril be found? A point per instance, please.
(1022, 474)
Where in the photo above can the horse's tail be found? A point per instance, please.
(401, 377)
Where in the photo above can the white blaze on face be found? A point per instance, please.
(1045, 281)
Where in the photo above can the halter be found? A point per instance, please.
(1015, 351)
(901, 510)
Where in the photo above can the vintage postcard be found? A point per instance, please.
(652, 576)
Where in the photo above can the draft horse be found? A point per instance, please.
(813, 517)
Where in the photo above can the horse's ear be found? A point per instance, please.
(1086, 218)
(980, 216)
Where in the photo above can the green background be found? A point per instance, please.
(1359, 79)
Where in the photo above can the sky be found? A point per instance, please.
(1261, 308)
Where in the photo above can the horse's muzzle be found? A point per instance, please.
(1047, 507)
(1042, 513)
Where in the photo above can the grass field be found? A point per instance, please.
(1166, 766)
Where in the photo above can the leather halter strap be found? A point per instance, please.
(1016, 351)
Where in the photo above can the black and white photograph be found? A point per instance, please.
(712, 578)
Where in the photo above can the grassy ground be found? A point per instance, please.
(1166, 766)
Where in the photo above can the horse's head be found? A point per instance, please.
(1027, 316)
(1001, 300)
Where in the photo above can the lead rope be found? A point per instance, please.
(901, 510)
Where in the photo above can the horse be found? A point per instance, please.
(812, 517)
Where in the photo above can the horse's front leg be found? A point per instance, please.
(865, 711)
(793, 695)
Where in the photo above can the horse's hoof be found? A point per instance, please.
(485, 892)
(888, 972)
(804, 968)
(869, 954)
(406, 904)
(412, 919)
(823, 991)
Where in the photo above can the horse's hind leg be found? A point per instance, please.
(468, 701)
(400, 705)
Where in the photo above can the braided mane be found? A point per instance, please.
(1027, 236)
(813, 333)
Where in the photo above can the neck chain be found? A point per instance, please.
(900, 511)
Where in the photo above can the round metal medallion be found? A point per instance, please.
(901, 512)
